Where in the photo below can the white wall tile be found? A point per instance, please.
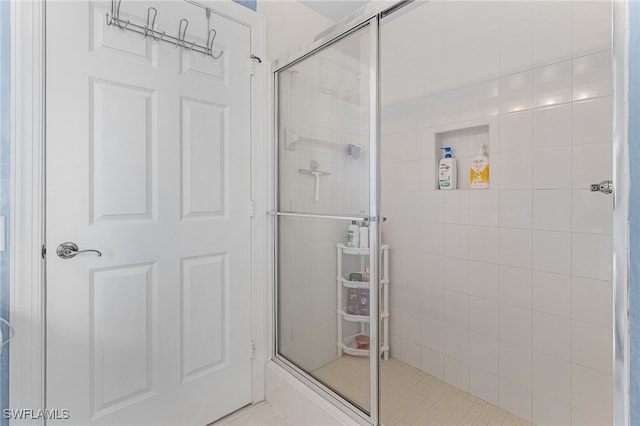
(550, 412)
(552, 377)
(552, 252)
(484, 99)
(516, 131)
(552, 168)
(432, 270)
(484, 280)
(433, 206)
(403, 146)
(405, 264)
(552, 84)
(456, 275)
(591, 256)
(592, 76)
(456, 342)
(591, 346)
(516, 246)
(484, 317)
(592, 391)
(432, 303)
(432, 237)
(516, 41)
(431, 111)
(515, 364)
(592, 301)
(591, 26)
(582, 418)
(552, 335)
(552, 293)
(484, 208)
(484, 352)
(515, 399)
(515, 208)
(515, 286)
(552, 127)
(456, 373)
(552, 210)
(411, 353)
(516, 92)
(484, 244)
(592, 121)
(456, 308)
(552, 32)
(515, 325)
(402, 176)
(485, 385)
(456, 104)
(432, 363)
(456, 241)
(591, 164)
(432, 330)
(591, 214)
(402, 205)
(456, 206)
(516, 170)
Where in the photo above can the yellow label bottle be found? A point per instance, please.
(479, 174)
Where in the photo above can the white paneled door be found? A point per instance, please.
(148, 161)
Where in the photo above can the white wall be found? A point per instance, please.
(290, 26)
(505, 293)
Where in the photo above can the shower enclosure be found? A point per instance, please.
(499, 299)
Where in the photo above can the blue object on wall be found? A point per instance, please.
(5, 200)
(634, 209)
(251, 4)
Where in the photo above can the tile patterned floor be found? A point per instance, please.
(261, 414)
(409, 397)
(413, 397)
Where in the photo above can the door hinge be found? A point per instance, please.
(253, 349)
(43, 251)
(252, 208)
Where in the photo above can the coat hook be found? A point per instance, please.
(115, 12)
(210, 39)
(151, 21)
(182, 32)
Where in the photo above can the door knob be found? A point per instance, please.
(68, 250)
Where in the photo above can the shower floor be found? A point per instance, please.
(411, 396)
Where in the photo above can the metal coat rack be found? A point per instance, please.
(149, 30)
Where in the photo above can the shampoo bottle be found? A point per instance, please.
(353, 235)
(364, 235)
(447, 173)
(479, 174)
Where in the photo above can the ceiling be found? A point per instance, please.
(334, 9)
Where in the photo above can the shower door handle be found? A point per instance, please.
(69, 250)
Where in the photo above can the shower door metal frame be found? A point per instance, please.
(368, 16)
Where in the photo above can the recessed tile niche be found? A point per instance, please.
(465, 143)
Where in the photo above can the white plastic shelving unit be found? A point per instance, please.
(348, 344)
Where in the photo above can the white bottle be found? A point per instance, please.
(364, 235)
(353, 235)
(447, 170)
(479, 174)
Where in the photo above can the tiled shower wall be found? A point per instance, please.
(504, 292)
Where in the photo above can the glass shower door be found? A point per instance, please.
(326, 306)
